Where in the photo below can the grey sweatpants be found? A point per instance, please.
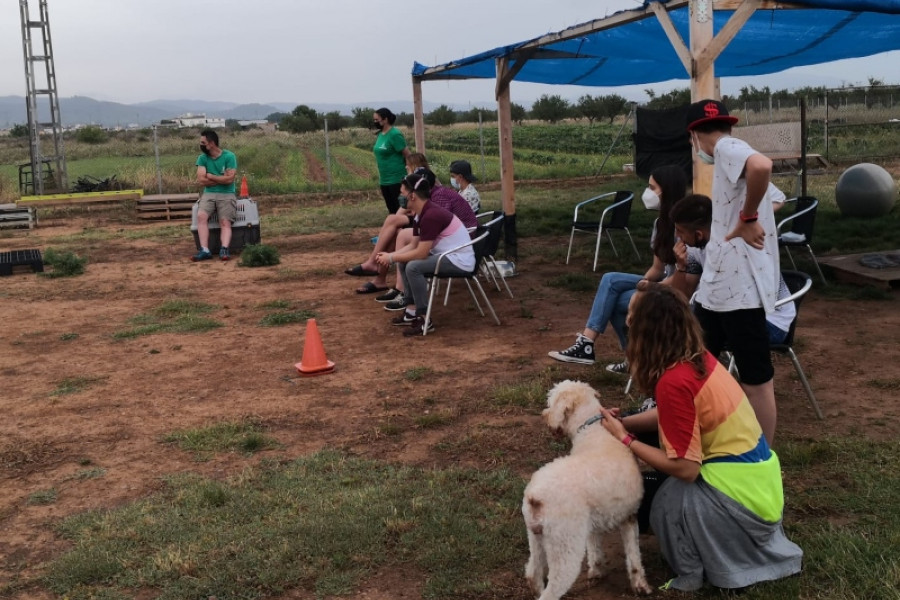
(415, 285)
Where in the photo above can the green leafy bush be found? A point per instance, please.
(65, 264)
(259, 255)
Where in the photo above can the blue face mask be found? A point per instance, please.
(454, 183)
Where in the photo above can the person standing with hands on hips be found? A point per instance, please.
(216, 170)
(741, 274)
(390, 151)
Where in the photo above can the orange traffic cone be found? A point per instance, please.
(313, 361)
(245, 192)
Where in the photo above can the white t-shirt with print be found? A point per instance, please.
(736, 275)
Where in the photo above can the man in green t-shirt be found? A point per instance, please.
(216, 170)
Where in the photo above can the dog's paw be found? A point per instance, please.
(597, 572)
(641, 588)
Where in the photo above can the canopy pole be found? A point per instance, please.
(703, 81)
(507, 179)
(418, 116)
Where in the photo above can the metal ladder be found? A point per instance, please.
(48, 89)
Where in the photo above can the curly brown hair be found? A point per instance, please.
(662, 331)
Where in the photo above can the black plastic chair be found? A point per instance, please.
(490, 269)
(800, 233)
(798, 283)
(618, 214)
(479, 244)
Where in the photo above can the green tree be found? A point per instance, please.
(551, 108)
(91, 134)
(336, 121)
(276, 117)
(301, 120)
(471, 115)
(613, 106)
(19, 131)
(517, 113)
(442, 115)
(362, 116)
(405, 119)
(672, 99)
(590, 107)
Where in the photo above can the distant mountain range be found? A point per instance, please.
(87, 111)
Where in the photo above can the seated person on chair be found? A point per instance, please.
(435, 230)
(666, 186)
(461, 178)
(718, 516)
(393, 224)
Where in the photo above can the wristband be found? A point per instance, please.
(628, 439)
(390, 259)
(749, 218)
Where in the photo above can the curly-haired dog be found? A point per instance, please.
(571, 502)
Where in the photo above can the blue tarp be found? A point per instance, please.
(639, 52)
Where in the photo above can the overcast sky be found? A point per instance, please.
(320, 51)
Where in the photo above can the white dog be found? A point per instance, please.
(571, 502)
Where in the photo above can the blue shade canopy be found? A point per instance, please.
(630, 47)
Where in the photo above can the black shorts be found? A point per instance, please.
(744, 334)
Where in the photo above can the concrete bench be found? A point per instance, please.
(781, 142)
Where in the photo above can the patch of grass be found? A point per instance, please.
(275, 305)
(259, 255)
(417, 373)
(92, 473)
(884, 384)
(320, 523)
(245, 437)
(575, 282)
(73, 385)
(529, 393)
(173, 316)
(42, 497)
(67, 337)
(278, 319)
(432, 420)
(64, 263)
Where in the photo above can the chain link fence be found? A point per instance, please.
(845, 125)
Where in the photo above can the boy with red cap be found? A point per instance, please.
(740, 280)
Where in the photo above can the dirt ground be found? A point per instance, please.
(145, 387)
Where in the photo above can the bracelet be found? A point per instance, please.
(390, 259)
(749, 218)
(681, 270)
(628, 439)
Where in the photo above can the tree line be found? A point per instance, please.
(555, 108)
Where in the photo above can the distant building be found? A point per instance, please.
(194, 121)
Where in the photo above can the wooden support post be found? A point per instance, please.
(507, 179)
(418, 116)
(703, 83)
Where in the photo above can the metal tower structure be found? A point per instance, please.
(42, 166)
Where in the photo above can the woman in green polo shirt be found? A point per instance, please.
(390, 151)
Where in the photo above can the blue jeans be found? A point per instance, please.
(611, 303)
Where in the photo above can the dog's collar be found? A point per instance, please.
(589, 422)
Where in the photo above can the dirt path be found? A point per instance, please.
(140, 389)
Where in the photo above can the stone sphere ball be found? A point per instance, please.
(865, 190)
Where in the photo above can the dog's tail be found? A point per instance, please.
(535, 515)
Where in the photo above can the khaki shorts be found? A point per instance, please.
(223, 205)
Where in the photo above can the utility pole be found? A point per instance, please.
(42, 87)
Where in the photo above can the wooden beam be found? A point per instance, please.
(504, 122)
(681, 49)
(703, 82)
(418, 116)
(712, 50)
(763, 4)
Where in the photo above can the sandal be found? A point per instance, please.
(359, 271)
(389, 295)
(370, 288)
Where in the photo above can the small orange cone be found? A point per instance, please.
(313, 361)
(245, 191)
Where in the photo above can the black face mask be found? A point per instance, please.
(204, 149)
(701, 244)
(377, 125)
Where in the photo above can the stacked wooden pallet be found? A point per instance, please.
(15, 216)
(80, 198)
(168, 207)
(19, 261)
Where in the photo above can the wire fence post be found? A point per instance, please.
(481, 143)
(158, 170)
(327, 156)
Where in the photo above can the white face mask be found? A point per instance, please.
(454, 183)
(650, 199)
(703, 156)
